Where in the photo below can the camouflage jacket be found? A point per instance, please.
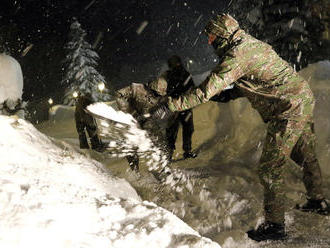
(272, 86)
(136, 99)
(140, 100)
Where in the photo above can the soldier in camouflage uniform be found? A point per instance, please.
(140, 101)
(283, 99)
(179, 81)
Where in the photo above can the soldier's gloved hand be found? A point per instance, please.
(162, 100)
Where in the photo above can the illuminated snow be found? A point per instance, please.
(135, 138)
(108, 112)
(53, 196)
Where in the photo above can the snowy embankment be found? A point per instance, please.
(53, 196)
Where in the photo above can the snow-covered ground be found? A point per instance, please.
(54, 196)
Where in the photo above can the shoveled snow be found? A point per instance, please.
(53, 196)
(133, 139)
(106, 111)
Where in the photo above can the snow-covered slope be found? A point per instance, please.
(53, 196)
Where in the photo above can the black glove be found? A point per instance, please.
(162, 100)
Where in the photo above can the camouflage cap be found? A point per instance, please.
(223, 25)
(159, 85)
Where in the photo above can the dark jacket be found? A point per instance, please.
(179, 81)
(82, 118)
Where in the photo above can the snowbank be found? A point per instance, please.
(318, 76)
(11, 78)
(53, 196)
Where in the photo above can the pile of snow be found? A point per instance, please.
(52, 196)
(317, 74)
(11, 78)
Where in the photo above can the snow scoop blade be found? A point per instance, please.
(108, 120)
(116, 134)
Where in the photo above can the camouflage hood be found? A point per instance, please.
(223, 26)
(159, 86)
(227, 32)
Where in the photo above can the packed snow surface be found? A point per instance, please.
(53, 196)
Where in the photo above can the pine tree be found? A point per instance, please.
(81, 75)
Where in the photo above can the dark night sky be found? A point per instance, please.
(174, 27)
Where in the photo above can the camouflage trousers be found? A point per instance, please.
(295, 138)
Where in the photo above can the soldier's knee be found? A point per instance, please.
(271, 170)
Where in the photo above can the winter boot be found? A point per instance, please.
(83, 143)
(189, 155)
(315, 206)
(268, 231)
